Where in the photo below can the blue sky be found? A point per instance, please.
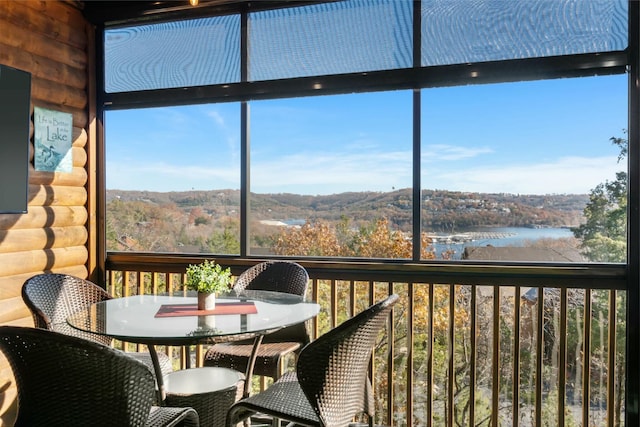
(544, 137)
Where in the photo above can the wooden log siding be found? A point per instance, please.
(75, 179)
(49, 39)
(54, 20)
(51, 237)
(13, 263)
(44, 216)
(11, 286)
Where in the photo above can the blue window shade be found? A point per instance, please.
(173, 54)
(330, 38)
(467, 31)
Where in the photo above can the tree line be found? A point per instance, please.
(208, 221)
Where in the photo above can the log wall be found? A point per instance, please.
(49, 39)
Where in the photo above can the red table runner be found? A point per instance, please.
(176, 310)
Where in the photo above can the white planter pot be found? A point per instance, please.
(206, 301)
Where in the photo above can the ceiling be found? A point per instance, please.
(113, 12)
(100, 12)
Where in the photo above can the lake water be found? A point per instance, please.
(499, 236)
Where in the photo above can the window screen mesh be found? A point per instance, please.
(357, 36)
(466, 31)
(174, 54)
(330, 38)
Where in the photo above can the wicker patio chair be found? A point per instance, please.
(278, 276)
(69, 381)
(330, 385)
(52, 297)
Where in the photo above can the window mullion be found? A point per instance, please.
(245, 183)
(417, 185)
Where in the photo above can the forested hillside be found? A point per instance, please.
(209, 220)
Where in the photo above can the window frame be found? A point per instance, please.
(416, 79)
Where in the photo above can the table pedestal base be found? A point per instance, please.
(210, 391)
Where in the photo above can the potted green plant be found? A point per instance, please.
(208, 279)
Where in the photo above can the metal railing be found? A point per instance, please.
(467, 345)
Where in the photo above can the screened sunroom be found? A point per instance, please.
(477, 158)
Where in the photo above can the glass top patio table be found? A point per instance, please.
(174, 320)
(168, 320)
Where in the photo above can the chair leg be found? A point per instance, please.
(279, 370)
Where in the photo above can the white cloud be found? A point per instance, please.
(217, 117)
(325, 174)
(329, 173)
(439, 152)
(165, 177)
(571, 175)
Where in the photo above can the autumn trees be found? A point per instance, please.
(604, 233)
(375, 240)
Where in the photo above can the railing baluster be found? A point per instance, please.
(139, 285)
(515, 404)
(372, 362)
(410, 343)
(334, 304)
(372, 292)
(539, 355)
(586, 364)
(112, 282)
(125, 283)
(611, 385)
(495, 365)
(472, 370)
(352, 298)
(390, 359)
(154, 283)
(562, 359)
(430, 358)
(451, 352)
(315, 297)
